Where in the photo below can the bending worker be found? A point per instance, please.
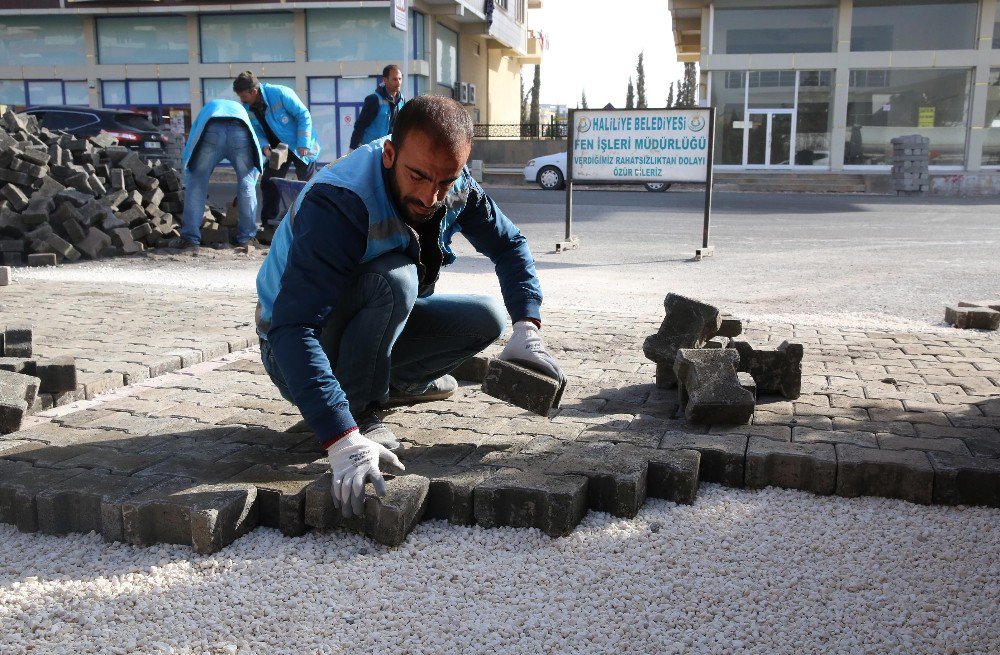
(378, 114)
(221, 131)
(347, 315)
(278, 116)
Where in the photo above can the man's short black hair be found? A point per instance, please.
(244, 82)
(442, 119)
(387, 71)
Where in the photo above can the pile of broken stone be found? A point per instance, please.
(26, 383)
(63, 198)
(717, 375)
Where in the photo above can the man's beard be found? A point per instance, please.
(410, 206)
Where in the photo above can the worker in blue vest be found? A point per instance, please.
(222, 130)
(347, 315)
(378, 114)
(278, 116)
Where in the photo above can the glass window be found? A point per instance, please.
(322, 89)
(77, 93)
(996, 32)
(446, 42)
(913, 25)
(175, 91)
(351, 35)
(991, 145)
(728, 97)
(113, 93)
(778, 29)
(143, 92)
(247, 37)
(813, 122)
(146, 40)
(931, 102)
(45, 92)
(355, 89)
(419, 83)
(771, 89)
(66, 120)
(41, 41)
(222, 87)
(12, 93)
(418, 24)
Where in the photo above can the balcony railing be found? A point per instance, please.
(520, 131)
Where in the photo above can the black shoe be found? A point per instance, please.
(181, 243)
(370, 425)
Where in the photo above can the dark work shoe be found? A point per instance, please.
(249, 246)
(439, 389)
(182, 244)
(370, 425)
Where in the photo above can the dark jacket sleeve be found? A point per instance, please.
(368, 113)
(329, 240)
(493, 234)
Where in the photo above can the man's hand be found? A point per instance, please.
(266, 151)
(354, 461)
(525, 348)
(302, 152)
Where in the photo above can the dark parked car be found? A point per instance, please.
(132, 129)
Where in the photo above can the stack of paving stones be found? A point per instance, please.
(64, 198)
(208, 457)
(717, 376)
(974, 315)
(910, 160)
(26, 383)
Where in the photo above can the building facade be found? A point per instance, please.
(167, 58)
(826, 84)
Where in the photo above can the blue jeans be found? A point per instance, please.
(221, 139)
(380, 334)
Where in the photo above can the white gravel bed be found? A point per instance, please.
(738, 572)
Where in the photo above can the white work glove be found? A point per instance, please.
(525, 348)
(354, 461)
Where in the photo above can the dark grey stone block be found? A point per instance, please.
(722, 455)
(972, 318)
(673, 475)
(281, 497)
(965, 480)
(473, 369)
(17, 395)
(555, 504)
(206, 517)
(57, 374)
(806, 466)
(904, 474)
(775, 370)
(90, 501)
(18, 340)
(20, 483)
(522, 387)
(710, 390)
(616, 477)
(687, 324)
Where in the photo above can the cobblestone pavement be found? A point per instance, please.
(201, 448)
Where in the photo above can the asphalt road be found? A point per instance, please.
(873, 261)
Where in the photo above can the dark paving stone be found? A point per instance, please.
(904, 474)
(806, 466)
(554, 504)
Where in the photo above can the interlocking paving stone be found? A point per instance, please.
(387, 520)
(207, 517)
(616, 478)
(722, 455)
(965, 480)
(904, 474)
(806, 466)
(20, 483)
(281, 496)
(554, 504)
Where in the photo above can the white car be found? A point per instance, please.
(550, 173)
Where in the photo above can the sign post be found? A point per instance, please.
(636, 146)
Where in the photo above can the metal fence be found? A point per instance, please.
(520, 131)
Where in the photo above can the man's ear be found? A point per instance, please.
(388, 153)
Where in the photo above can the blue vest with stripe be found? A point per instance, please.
(379, 127)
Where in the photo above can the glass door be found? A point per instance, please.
(769, 137)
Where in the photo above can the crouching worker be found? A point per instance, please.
(347, 316)
(221, 131)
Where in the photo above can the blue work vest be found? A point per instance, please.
(379, 127)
